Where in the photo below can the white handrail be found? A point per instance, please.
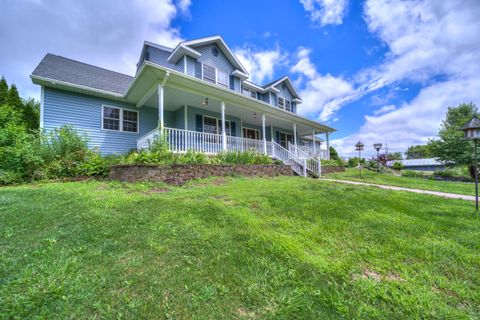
(298, 165)
(313, 165)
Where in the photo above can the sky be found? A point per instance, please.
(375, 70)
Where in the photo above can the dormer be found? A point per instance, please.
(287, 97)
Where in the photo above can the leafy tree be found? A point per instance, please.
(13, 98)
(31, 113)
(450, 146)
(333, 154)
(353, 162)
(419, 152)
(395, 156)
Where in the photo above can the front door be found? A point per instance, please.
(285, 138)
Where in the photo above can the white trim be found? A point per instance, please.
(147, 96)
(180, 50)
(120, 125)
(223, 46)
(217, 126)
(161, 112)
(185, 117)
(294, 133)
(78, 86)
(289, 83)
(224, 133)
(253, 129)
(42, 106)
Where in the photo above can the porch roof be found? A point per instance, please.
(151, 75)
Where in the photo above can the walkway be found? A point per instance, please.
(433, 193)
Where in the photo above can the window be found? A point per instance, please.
(253, 94)
(245, 91)
(214, 125)
(117, 119)
(251, 133)
(111, 118)
(223, 78)
(209, 73)
(130, 121)
(288, 105)
(281, 102)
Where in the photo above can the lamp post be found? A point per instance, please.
(359, 147)
(378, 146)
(472, 132)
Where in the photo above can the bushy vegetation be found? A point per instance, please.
(397, 166)
(332, 163)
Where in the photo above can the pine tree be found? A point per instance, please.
(13, 98)
(333, 154)
(3, 90)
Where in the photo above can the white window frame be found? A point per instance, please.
(120, 126)
(278, 102)
(289, 102)
(226, 85)
(214, 70)
(219, 125)
(257, 133)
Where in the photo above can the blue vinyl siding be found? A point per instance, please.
(160, 57)
(220, 62)
(284, 92)
(191, 66)
(85, 114)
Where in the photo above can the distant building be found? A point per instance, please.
(429, 164)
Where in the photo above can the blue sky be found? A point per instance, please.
(376, 70)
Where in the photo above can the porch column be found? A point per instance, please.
(295, 134)
(224, 133)
(264, 136)
(314, 143)
(327, 139)
(160, 108)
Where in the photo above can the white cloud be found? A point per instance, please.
(433, 43)
(106, 33)
(384, 109)
(325, 12)
(261, 64)
(320, 92)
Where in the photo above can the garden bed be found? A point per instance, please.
(179, 174)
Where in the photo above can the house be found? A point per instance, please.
(197, 94)
(427, 164)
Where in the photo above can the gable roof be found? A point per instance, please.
(188, 47)
(62, 69)
(289, 84)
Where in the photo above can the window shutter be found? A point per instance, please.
(232, 82)
(199, 122)
(277, 136)
(232, 129)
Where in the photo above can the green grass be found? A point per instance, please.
(407, 182)
(284, 248)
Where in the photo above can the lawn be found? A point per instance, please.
(407, 182)
(236, 248)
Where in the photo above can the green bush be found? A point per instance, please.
(247, 157)
(332, 163)
(96, 165)
(192, 157)
(397, 166)
(412, 174)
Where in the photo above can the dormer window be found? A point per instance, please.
(223, 78)
(288, 105)
(281, 102)
(209, 73)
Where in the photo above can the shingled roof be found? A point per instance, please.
(78, 73)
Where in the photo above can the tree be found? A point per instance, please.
(419, 152)
(395, 156)
(450, 146)
(334, 154)
(3, 91)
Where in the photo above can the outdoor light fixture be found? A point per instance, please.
(359, 147)
(254, 115)
(472, 132)
(205, 103)
(378, 146)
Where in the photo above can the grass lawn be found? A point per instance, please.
(284, 248)
(407, 182)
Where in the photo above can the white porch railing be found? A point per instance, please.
(180, 140)
(313, 165)
(318, 152)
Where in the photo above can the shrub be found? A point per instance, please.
(397, 166)
(192, 157)
(332, 163)
(412, 174)
(247, 157)
(96, 165)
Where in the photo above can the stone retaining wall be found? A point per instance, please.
(180, 173)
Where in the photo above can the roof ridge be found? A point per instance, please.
(88, 64)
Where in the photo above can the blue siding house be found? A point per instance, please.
(197, 94)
